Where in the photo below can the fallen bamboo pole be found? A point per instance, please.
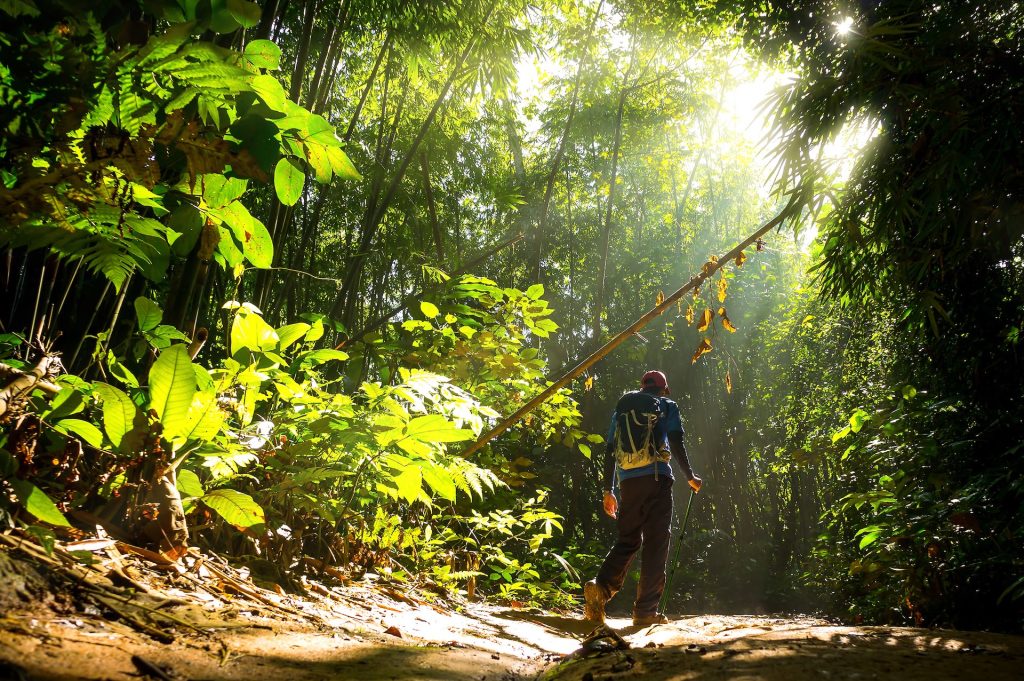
(709, 269)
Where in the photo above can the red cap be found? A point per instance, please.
(654, 379)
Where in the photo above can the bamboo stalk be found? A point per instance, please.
(709, 269)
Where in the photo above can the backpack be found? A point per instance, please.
(636, 414)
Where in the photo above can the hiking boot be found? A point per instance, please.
(594, 598)
(648, 620)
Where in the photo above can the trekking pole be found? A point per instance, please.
(675, 555)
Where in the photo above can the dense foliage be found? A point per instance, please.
(219, 332)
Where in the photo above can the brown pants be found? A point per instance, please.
(645, 518)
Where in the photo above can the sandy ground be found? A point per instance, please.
(375, 631)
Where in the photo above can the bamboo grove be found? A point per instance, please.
(269, 268)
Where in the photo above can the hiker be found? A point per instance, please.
(646, 430)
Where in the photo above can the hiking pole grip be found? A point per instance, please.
(675, 554)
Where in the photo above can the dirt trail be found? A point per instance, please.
(374, 632)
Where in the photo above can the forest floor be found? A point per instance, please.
(120, 618)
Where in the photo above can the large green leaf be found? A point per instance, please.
(263, 54)
(439, 480)
(250, 332)
(172, 383)
(342, 164)
(219, 191)
(204, 417)
(235, 507)
(246, 13)
(436, 428)
(147, 313)
(258, 247)
(38, 504)
(271, 92)
(188, 484)
(291, 333)
(84, 430)
(409, 483)
(288, 181)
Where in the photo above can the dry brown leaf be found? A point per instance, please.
(588, 384)
(728, 383)
(660, 298)
(722, 286)
(689, 314)
(740, 259)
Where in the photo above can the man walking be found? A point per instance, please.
(646, 431)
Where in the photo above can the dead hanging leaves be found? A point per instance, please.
(702, 349)
(705, 320)
(659, 299)
(740, 259)
(722, 286)
(689, 315)
(728, 382)
(588, 384)
(726, 323)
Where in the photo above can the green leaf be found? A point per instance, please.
(318, 130)
(235, 507)
(342, 164)
(857, 420)
(288, 181)
(246, 13)
(535, 291)
(188, 484)
(83, 429)
(118, 411)
(290, 333)
(436, 428)
(147, 313)
(320, 356)
(271, 92)
(409, 483)
(249, 331)
(263, 54)
(840, 434)
(16, 8)
(172, 384)
(429, 310)
(204, 418)
(439, 480)
(219, 191)
(67, 402)
(258, 247)
(38, 504)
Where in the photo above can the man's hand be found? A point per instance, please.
(695, 483)
(611, 505)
